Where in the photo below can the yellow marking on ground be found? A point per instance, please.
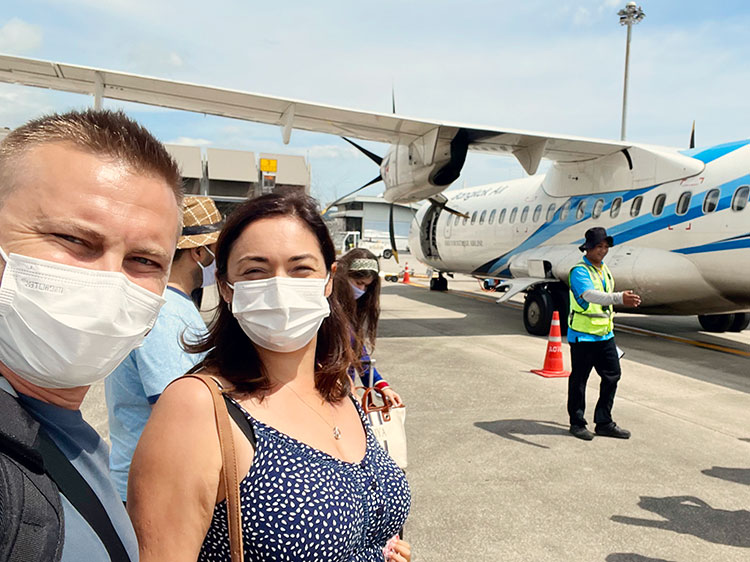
(620, 327)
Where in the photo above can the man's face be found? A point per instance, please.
(598, 252)
(80, 209)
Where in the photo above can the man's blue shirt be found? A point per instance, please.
(136, 384)
(580, 282)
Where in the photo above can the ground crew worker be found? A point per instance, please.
(592, 341)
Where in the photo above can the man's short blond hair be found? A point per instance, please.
(107, 133)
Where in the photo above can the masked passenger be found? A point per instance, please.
(316, 485)
(89, 218)
(358, 290)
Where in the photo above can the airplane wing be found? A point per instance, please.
(527, 146)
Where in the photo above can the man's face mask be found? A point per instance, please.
(63, 326)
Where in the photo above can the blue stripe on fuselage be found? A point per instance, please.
(707, 155)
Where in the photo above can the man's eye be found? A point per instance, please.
(69, 238)
(147, 262)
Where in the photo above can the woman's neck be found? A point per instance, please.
(296, 368)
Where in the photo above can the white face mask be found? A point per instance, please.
(63, 326)
(209, 271)
(280, 313)
(357, 291)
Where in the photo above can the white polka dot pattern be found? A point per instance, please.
(300, 504)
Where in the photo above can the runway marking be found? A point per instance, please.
(619, 327)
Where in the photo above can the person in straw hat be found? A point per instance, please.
(133, 388)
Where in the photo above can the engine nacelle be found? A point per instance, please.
(425, 167)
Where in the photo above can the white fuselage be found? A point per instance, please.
(686, 250)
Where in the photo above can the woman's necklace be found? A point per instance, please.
(336, 429)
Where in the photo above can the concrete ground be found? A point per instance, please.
(495, 474)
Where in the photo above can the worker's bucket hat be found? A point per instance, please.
(595, 236)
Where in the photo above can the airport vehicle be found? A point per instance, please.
(679, 217)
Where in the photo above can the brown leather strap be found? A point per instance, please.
(229, 467)
(368, 403)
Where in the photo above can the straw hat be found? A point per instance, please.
(201, 221)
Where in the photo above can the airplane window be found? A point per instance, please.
(683, 203)
(492, 216)
(473, 217)
(465, 219)
(658, 207)
(581, 210)
(513, 214)
(635, 208)
(537, 213)
(455, 222)
(481, 217)
(565, 211)
(524, 213)
(596, 212)
(711, 201)
(739, 201)
(614, 210)
(550, 212)
(501, 218)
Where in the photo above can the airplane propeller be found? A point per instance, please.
(692, 136)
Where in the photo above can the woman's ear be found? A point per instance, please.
(225, 291)
(329, 285)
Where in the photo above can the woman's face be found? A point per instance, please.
(362, 282)
(275, 247)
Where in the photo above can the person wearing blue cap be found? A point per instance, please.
(591, 336)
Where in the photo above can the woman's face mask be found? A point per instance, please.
(280, 313)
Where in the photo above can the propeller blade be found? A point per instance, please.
(393, 98)
(340, 199)
(374, 157)
(446, 208)
(393, 234)
(692, 136)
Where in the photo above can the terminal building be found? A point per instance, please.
(370, 217)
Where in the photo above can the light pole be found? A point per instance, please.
(629, 15)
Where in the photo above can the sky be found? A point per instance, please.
(544, 65)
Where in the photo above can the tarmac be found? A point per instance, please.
(494, 473)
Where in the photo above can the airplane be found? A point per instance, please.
(678, 216)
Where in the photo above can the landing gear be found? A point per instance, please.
(537, 312)
(541, 301)
(387, 254)
(439, 283)
(716, 322)
(741, 322)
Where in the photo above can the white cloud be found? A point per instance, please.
(18, 37)
(189, 141)
(582, 16)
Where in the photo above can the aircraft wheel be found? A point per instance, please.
(387, 254)
(537, 312)
(741, 322)
(439, 283)
(716, 322)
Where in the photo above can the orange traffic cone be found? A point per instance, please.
(553, 361)
(407, 279)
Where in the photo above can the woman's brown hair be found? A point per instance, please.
(364, 312)
(230, 352)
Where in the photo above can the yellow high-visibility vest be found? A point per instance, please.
(596, 320)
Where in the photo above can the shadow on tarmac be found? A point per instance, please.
(739, 475)
(631, 557)
(511, 429)
(689, 515)
(476, 321)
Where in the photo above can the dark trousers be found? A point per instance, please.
(602, 356)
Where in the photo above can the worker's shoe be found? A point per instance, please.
(581, 432)
(612, 430)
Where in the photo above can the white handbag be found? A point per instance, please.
(388, 425)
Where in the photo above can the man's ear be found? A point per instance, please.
(329, 285)
(196, 254)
